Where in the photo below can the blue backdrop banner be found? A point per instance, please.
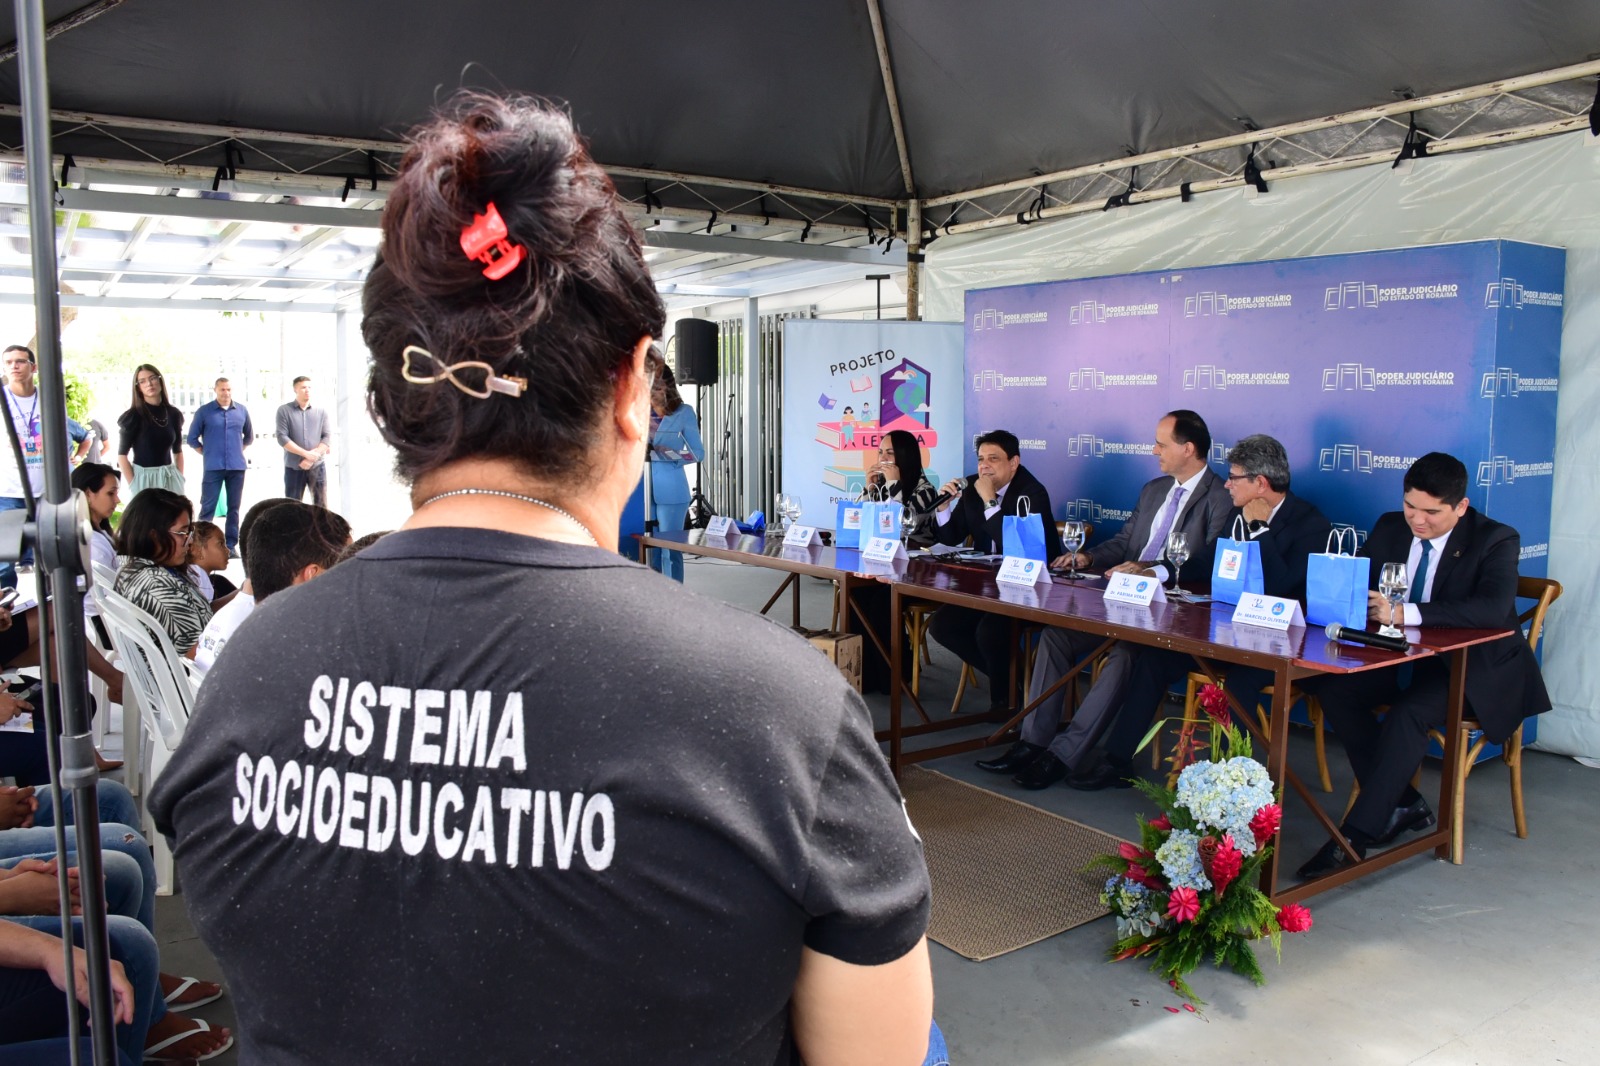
(1357, 363)
(846, 384)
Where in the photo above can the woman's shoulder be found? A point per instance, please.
(129, 418)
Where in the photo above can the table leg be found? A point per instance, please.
(1452, 745)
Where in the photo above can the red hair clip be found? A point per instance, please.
(485, 242)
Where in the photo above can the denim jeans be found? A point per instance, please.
(215, 480)
(130, 871)
(29, 1012)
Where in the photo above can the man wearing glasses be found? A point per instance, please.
(22, 404)
(1187, 498)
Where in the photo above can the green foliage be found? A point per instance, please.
(80, 398)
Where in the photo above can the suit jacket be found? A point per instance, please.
(1202, 519)
(1475, 587)
(1297, 530)
(679, 431)
(966, 516)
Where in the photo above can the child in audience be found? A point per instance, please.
(208, 557)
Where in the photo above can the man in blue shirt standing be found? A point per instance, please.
(220, 431)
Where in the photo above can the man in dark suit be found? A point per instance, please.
(1462, 568)
(1287, 529)
(1186, 498)
(978, 510)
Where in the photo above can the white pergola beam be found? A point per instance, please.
(130, 203)
(162, 304)
(823, 253)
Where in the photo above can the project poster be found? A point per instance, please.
(846, 384)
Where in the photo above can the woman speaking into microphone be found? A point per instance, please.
(898, 476)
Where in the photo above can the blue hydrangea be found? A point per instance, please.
(1180, 860)
(1133, 906)
(1224, 796)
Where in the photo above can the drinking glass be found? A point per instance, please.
(1393, 584)
(1072, 540)
(780, 510)
(908, 521)
(792, 510)
(1177, 551)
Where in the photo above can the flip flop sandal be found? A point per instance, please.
(183, 987)
(200, 1026)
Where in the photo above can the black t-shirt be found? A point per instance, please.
(146, 441)
(563, 811)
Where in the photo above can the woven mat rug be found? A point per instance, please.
(1005, 875)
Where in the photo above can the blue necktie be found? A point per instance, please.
(1420, 581)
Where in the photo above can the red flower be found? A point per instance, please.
(1139, 875)
(1183, 905)
(1163, 823)
(1215, 703)
(1294, 919)
(1225, 865)
(1132, 852)
(1265, 824)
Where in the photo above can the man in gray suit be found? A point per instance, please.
(1187, 497)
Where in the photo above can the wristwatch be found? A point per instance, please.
(991, 503)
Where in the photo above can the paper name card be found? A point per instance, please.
(1138, 589)
(721, 526)
(883, 550)
(1019, 571)
(1270, 612)
(800, 537)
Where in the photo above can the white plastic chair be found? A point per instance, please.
(102, 578)
(165, 694)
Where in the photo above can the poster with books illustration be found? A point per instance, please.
(846, 385)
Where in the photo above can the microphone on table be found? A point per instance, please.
(939, 500)
(1336, 631)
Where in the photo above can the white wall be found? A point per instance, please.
(1544, 192)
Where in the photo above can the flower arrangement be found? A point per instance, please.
(1188, 890)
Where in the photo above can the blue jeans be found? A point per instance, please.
(938, 1053)
(30, 1012)
(8, 570)
(669, 519)
(130, 871)
(233, 481)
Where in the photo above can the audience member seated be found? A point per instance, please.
(33, 1006)
(896, 476)
(361, 544)
(1187, 498)
(157, 527)
(208, 557)
(284, 546)
(635, 867)
(99, 484)
(1462, 567)
(24, 751)
(977, 508)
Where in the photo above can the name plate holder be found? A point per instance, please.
(1269, 612)
(1140, 590)
(883, 550)
(800, 537)
(1016, 570)
(720, 527)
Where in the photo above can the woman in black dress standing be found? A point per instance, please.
(151, 449)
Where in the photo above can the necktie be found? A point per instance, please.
(1158, 539)
(1420, 581)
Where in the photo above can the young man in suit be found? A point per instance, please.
(1463, 571)
(978, 510)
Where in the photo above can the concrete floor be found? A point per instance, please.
(1491, 962)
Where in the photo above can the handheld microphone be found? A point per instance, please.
(1336, 631)
(940, 500)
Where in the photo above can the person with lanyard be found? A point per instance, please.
(726, 887)
(152, 435)
(22, 403)
(221, 433)
(674, 443)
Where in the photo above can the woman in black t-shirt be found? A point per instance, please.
(151, 449)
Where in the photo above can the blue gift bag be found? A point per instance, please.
(1237, 569)
(1022, 534)
(847, 524)
(1336, 584)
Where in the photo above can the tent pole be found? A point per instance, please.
(61, 534)
(914, 261)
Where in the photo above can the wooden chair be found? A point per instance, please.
(1543, 592)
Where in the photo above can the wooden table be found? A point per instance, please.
(1205, 632)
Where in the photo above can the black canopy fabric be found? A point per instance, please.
(787, 92)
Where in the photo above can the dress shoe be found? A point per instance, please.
(1329, 857)
(1043, 772)
(1017, 757)
(1418, 816)
(1101, 775)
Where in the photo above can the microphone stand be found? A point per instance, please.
(58, 526)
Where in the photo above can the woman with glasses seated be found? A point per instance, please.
(151, 451)
(156, 529)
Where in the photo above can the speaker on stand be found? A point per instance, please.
(696, 342)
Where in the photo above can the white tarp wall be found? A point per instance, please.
(1544, 192)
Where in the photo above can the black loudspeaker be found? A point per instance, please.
(697, 352)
